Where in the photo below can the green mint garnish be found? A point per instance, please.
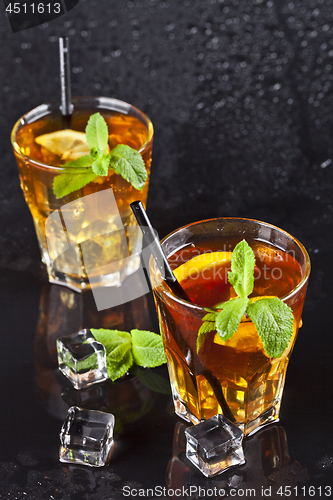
(242, 267)
(228, 320)
(207, 326)
(128, 163)
(272, 318)
(123, 349)
(65, 184)
(97, 134)
(147, 349)
(274, 322)
(122, 159)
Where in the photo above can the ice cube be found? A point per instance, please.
(214, 445)
(86, 437)
(82, 359)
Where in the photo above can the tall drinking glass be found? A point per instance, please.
(235, 377)
(91, 238)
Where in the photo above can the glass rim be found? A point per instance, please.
(198, 308)
(43, 108)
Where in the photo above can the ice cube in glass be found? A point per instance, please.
(214, 445)
(82, 359)
(86, 437)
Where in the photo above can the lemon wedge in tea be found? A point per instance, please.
(201, 262)
(68, 144)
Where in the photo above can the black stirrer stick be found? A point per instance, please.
(156, 249)
(66, 106)
(168, 276)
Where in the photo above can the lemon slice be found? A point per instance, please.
(68, 144)
(201, 262)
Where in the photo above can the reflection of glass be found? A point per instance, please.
(236, 377)
(89, 243)
(62, 312)
(268, 464)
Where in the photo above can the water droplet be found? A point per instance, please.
(326, 163)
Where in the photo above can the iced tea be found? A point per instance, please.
(251, 383)
(96, 231)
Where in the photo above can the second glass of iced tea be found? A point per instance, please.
(91, 250)
(234, 377)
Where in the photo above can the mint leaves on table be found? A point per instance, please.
(272, 318)
(122, 159)
(123, 349)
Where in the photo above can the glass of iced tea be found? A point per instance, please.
(235, 377)
(91, 250)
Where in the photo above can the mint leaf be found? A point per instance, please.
(65, 184)
(128, 163)
(97, 133)
(118, 346)
(274, 321)
(111, 339)
(211, 316)
(82, 162)
(207, 326)
(227, 321)
(101, 166)
(118, 368)
(242, 269)
(123, 348)
(147, 349)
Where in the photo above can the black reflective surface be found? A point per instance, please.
(149, 449)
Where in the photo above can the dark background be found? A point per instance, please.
(240, 93)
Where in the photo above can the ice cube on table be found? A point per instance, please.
(86, 437)
(82, 359)
(214, 445)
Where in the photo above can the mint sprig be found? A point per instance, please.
(122, 159)
(141, 347)
(272, 318)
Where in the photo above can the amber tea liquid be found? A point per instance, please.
(251, 381)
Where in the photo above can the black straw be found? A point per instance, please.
(66, 106)
(157, 251)
(166, 271)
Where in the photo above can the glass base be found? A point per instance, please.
(268, 417)
(82, 283)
